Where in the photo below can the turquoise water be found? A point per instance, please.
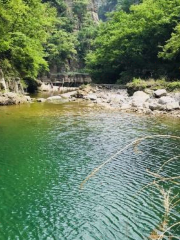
(47, 150)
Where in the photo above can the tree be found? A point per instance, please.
(24, 28)
(128, 44)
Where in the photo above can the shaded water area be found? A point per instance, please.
(47, 150)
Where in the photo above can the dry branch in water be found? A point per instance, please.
(134, 143)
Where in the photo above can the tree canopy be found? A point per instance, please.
(143, 42)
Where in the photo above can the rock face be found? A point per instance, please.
(2, 82)
(13, 98)
(10, 84)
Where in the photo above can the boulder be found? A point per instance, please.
(160, 93)
(156, 106)
(54, 98)
(166, 100)
(139, 98)
(172, 106)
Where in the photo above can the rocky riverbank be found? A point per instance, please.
(158, 102)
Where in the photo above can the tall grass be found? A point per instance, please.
(169, 201)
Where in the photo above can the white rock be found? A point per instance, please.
(91, 97)
(54, 98)
(160, 93)
(139, 98)
(172, 106)
(69, 94)
(28, 98)
(166, 100)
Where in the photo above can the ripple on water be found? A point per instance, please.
(48, 150)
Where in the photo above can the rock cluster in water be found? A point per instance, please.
(153, 102)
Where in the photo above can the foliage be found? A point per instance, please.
(139, 84)
(139, 43)
(114, 5)
(24, 27)
(80, 8)
(61, 47)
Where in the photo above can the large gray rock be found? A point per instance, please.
(156, 106)
(166, 100)
(169, 103)
(139, 98)
(160, 93)
(172, 106)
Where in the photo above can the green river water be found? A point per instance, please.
(47, 150)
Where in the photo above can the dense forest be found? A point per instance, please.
(138, 40)
(133, 38)
(36, 36)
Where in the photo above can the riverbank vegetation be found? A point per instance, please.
(139, 84)
(141, 41)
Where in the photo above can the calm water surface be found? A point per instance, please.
(47, 150)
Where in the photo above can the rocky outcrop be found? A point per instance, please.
(10, 84)
(13, 99)
(11, 91)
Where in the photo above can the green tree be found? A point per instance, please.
(25, 27)
(128, 44)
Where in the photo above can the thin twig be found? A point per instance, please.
(169, 228)
(135, 143)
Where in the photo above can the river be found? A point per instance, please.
(47, 150)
